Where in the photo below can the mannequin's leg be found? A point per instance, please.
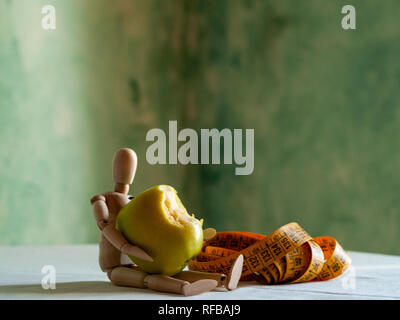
(134, 277)
(192, 276)
(169, 284)
(127, 277)
(230, 281)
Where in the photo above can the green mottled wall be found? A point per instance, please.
(324, 104)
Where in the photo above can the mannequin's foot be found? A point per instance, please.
(199, 286)
(234, 274)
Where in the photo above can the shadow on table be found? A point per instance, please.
(80, 289)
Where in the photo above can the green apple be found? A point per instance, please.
(157, 221)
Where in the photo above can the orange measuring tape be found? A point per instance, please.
(288, 255)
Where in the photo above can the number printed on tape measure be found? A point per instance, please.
(288, 255)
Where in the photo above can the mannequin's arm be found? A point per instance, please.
(101, 215)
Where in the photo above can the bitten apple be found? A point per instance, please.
(157, 221)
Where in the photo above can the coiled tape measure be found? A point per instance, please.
(288, 255)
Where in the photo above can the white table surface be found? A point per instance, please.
(372, 276)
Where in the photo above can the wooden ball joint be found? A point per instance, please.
(113, 245)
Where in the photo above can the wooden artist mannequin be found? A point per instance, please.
(112, 244)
